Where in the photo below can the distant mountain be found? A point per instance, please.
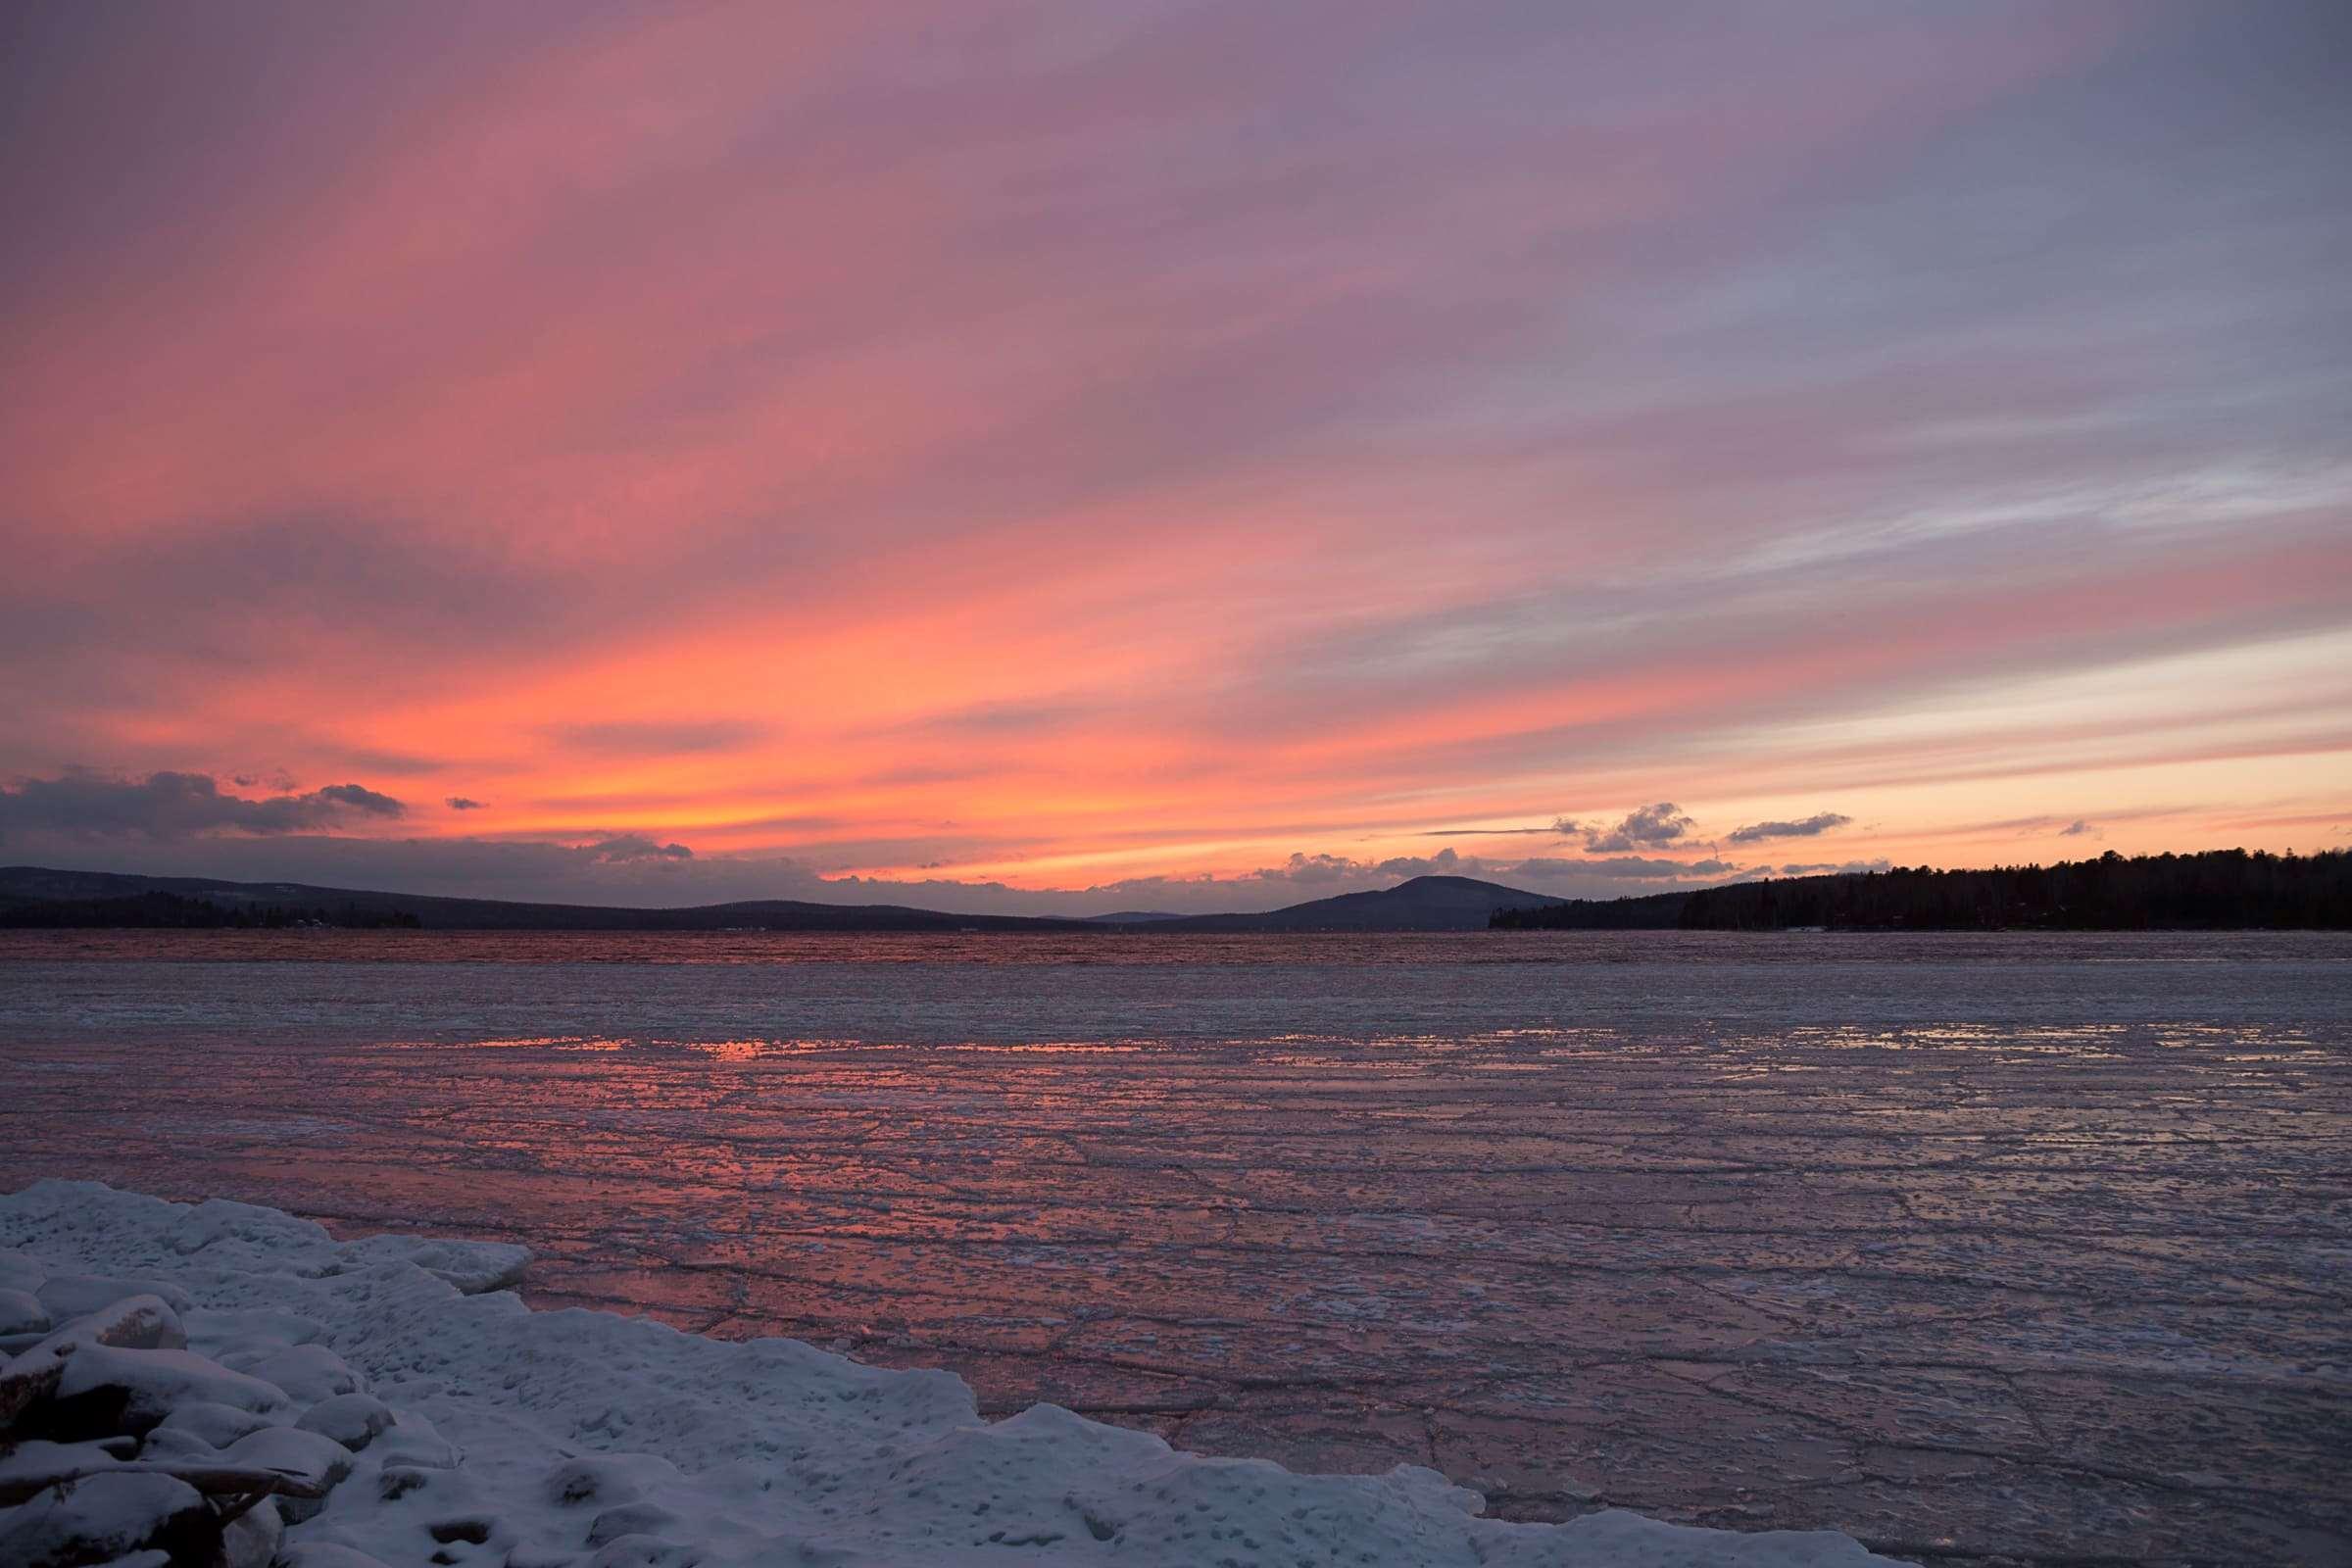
(32, 896)
(2217, 888)
(1424, 903)
(35, 895)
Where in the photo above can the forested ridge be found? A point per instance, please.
(2215, 889)
(170, 911)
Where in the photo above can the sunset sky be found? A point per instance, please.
(1091, 456)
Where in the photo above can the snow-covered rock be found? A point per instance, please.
(24, 1466)
(105, 1516)
(325, 1555)
(134, 1391)
(472, 1266)
(308, 1373)
(309, 1464)
(22, 1312)
(216, 1426)
(20, 1271)
(79, 1294)
(34, 1375)
(252, 1538)
(492, 1434)
(353, 1420)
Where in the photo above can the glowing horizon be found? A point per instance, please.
(1078, 457)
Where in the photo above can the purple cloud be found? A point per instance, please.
(1645, 827)
(1803, 828)
(87, 804)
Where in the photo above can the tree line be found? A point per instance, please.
(170, 912)
(2212, 889)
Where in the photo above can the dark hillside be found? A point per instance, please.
(2215, 890)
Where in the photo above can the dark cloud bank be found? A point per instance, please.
(82, 804)
(172, 824)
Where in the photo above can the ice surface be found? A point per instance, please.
(2030, 1249)
(582, 1438)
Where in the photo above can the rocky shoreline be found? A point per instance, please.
(222, 1385)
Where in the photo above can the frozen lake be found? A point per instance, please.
(2015, 1246)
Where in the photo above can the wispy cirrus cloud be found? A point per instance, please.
(1072, 470)
(658, 736)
